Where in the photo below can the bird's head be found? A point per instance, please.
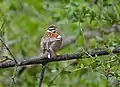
(52, 29)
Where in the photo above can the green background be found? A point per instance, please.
(91, 20)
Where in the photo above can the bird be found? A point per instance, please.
(51, 41)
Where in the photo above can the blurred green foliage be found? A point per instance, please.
(26, 23)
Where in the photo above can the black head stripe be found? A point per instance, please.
(52, 27)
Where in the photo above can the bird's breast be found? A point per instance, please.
(52, 35)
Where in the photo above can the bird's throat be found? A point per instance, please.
(52, 35)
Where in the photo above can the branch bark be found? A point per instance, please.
(42, 75)
(64, 57)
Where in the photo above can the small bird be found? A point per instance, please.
(51, 41)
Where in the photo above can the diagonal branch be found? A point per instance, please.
(15, 61)
(9, 51)
(64, 57)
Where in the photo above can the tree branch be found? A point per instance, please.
(9, 51)
(64, 57)
(42, 75)
(15, 61)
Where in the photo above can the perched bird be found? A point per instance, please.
(51, 41)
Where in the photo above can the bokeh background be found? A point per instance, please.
(96, 24)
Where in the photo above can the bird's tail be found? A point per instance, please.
(51, 54)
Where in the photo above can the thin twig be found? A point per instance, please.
(21, 70)
(53, 79)
(13, 76)
(42, 75)
(3, 24)
(3, 60)
(79, 69)
(9, 51)
(6, 58)
(15, 69)
(87, 53)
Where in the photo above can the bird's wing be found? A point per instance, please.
(55, 45)
(43, 44)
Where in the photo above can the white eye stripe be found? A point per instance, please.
(48, 31)
(51, 28)
(51, 31)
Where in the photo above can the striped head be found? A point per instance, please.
(53, 32)
(52, 29)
